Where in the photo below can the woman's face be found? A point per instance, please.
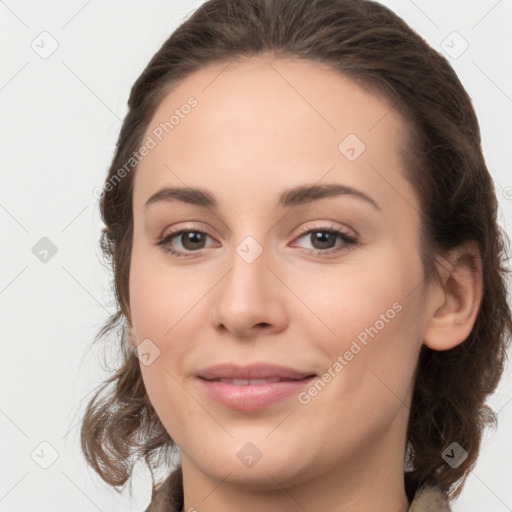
(262, 277)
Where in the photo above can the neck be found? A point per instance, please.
(370, 480)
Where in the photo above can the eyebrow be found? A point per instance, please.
(295, 196)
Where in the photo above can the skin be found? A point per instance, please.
(260, 127)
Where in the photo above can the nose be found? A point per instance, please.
(250, 299)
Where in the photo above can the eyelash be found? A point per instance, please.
(347, 239)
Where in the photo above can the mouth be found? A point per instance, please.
(266, 372)
(252, 387)
(255, 382)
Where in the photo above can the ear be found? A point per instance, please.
(455, 301)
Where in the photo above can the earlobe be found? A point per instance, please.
(455, 304)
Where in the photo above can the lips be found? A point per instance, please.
(247, 382)
(266, 372)
(252, 387)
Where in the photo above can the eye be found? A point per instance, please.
(191, 240)
(323, 240)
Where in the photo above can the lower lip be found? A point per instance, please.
(252, 396)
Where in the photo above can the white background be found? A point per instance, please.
(60, 118)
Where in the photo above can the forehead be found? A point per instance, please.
(268, 122)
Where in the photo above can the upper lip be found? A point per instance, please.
(252, 371)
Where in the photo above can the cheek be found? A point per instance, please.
(353, 299)
(171, 401)
(159, 305)
(367, 382)
(370, 325)
(167, 309)
(157, 296)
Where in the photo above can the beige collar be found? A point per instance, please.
(429, 499)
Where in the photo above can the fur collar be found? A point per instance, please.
(429, 499)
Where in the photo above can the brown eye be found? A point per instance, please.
(184, 242)
(323, 239)
(192, 240)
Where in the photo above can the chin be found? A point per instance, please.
(257, 466)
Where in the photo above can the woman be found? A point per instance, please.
(308, 267)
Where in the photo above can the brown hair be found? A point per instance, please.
(370, 44)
